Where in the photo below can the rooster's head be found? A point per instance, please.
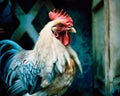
(63, 25)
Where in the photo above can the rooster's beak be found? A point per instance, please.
(72, 29)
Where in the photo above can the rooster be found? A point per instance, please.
(49, 68)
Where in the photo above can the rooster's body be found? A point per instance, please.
(46, 70)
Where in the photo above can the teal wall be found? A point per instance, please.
(82, 44)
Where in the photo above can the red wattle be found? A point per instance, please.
(65, 38)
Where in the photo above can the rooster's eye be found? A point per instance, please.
(60, 25)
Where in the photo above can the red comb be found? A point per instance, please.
(61, 14)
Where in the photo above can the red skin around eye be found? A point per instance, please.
(62, 34)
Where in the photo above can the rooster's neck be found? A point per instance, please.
(49, 50)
